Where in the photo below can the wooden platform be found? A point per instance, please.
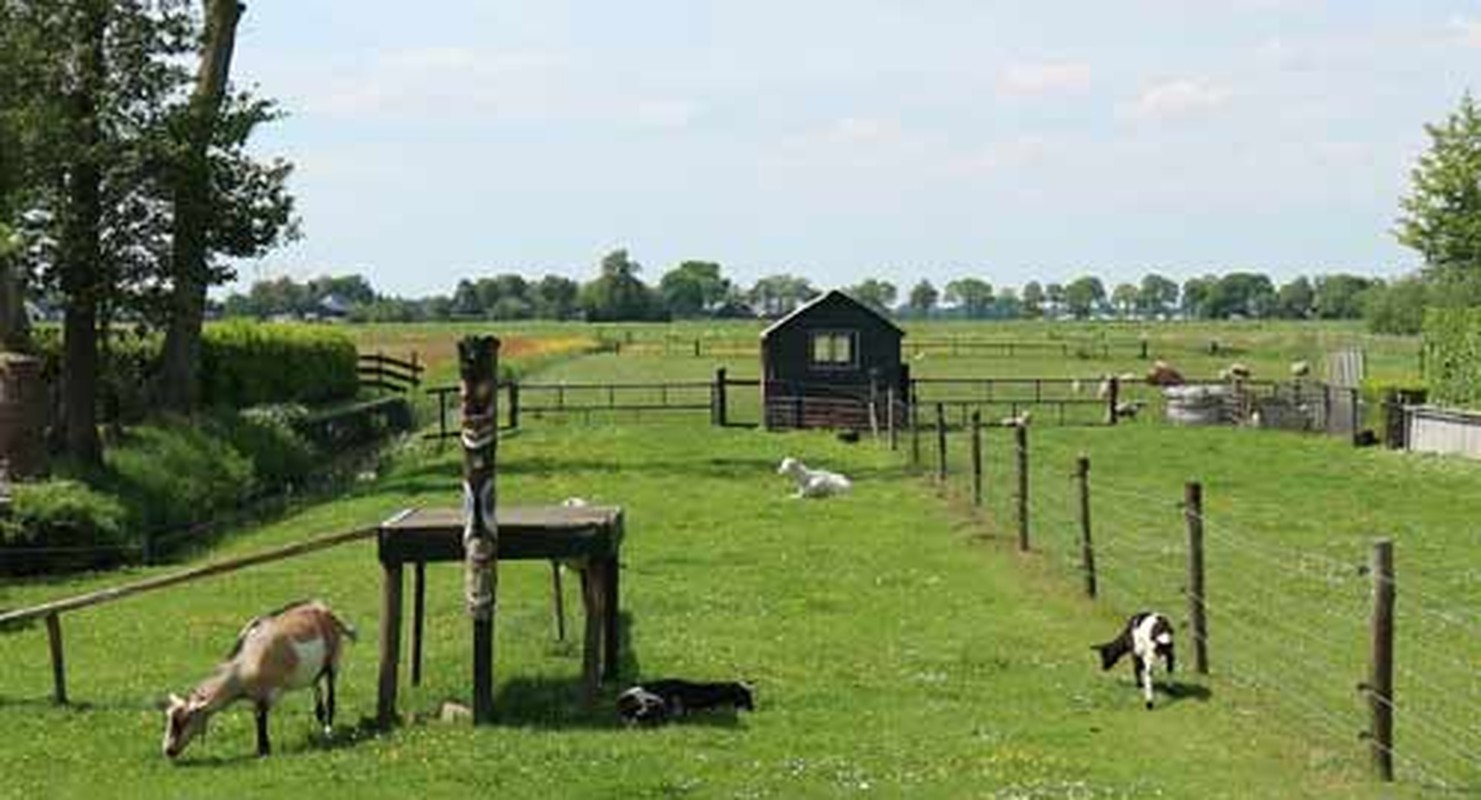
(587, 538)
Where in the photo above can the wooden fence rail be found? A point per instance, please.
(51, 612)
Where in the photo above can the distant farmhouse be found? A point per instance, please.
(824, 364)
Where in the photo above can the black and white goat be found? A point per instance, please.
(1146, 636)
(656, 702)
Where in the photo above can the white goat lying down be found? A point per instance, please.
(813, 482)
(1146, 637)
(297, 646)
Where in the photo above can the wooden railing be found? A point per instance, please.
(387, 373)
(52, 612)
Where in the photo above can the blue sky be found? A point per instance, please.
(843, 139)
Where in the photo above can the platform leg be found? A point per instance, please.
(385, 711)
(418, 617)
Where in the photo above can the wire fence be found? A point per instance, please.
(1293, 627)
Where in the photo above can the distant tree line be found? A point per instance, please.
(700, 289)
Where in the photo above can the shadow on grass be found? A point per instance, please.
(1178, 691)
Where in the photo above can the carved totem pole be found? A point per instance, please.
(478, 361)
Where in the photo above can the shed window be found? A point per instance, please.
(834, 349)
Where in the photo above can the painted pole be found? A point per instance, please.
(478, 362)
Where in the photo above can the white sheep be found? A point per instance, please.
(813, 482)
(1021, 421)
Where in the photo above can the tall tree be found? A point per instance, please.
(1033, 299)
(223, 201)
(618, 294)
(1441, 216)
(555, 297)
(923, 297)
(693, 288)
(1156, 296)
(1197, 293)
(1296, 299)
(1084, 296)
(1124, 298)
(1054, 298)
(972, 295)
(776, 295)
(1340, 296)
(875, 293)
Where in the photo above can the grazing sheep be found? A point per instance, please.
(1129, 409)
(1300, 369)
(813, 482)
(1146, 636)
(657, 702)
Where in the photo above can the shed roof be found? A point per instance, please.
(827, 296)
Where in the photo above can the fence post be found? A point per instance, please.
(1113, 398)
(719, 400)
(514, 404)
(941, 442)
(890, 419)
(1020, 441)
(1144, 348)
(1087, 551)
(696, 348)
(977, 458)
(914, 428)
(1381, 663)
(58, 665)
(1193, 512)
(1357, 422)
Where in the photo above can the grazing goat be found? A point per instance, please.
(297, 646)
(1163, 374)
(1146, 637)
(1128, 409)
(813, 482)
(1235, 372)
(1020, 421)
(657, 702)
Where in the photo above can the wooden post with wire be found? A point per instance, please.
(1087, 551)
(977, 458)
(914, 412)
(1381, 663)
(58, 664)
(1193, 513)
(941, 442)
(890, 419)
(1113, 399)
(478, 362)
(1020, 442)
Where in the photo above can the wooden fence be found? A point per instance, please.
(388, 373)
(52, 612)
(940, 346)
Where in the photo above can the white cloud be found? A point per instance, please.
(447, 80)
(1467, 31)
(1044, 78)
(1181, 97)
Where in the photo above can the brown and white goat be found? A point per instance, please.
(296, 646)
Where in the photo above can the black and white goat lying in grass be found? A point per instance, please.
(657, 702)
(813, 482)
(1146, 636)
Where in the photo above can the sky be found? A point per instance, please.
(845, 139)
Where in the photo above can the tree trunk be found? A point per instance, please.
(180, 367)
(81, 252)
(15, 327)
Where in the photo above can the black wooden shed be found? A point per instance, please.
(830, 364)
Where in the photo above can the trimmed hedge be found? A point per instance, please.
(247, 364)
(1452, 356)
(242, 364)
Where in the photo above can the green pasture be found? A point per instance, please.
(899, 644)
(894, 653)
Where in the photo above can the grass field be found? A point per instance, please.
(899, 646)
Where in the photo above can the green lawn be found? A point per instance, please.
(893, 653)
